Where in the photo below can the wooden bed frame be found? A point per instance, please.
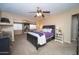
(34, 40)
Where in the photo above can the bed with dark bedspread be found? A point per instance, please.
(49, 36)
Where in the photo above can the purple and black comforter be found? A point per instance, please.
(39, 33)
(47, 34)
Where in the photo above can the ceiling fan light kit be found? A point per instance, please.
(39, 14)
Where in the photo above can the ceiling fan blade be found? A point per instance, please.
(46, 11)
(32, 12)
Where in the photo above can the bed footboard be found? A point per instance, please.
(33, 40)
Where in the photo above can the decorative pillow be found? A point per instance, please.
(47, 30)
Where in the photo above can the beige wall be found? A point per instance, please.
(62, 20)
(39, 22)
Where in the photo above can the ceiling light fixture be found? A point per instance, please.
(39, 14)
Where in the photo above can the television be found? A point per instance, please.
(4, 20)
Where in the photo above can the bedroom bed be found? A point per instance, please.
(39, 39)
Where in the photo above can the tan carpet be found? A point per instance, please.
(24, 47)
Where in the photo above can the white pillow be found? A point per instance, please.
(47, 30)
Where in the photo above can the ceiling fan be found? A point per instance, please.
(40, 12)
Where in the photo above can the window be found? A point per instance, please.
(32, 26)
(17, 26)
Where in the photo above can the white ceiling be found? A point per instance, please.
(24, 8)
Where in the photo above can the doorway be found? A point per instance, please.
(75, 31)
(74, 27)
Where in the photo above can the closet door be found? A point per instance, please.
(75, 31)
(78, 37)
(74, 28)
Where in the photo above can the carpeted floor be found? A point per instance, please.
(24, 47)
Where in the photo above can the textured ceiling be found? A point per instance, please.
(24, 8)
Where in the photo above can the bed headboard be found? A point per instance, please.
(50, 26)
